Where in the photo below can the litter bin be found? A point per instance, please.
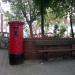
(16, 42)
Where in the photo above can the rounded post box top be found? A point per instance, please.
(16, 23)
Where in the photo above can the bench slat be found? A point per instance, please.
(54, 42)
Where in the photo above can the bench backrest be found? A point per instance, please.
(55, 42)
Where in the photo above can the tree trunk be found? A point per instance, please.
(72, 33)
(42, 19)
(31, 31)
(71, 27)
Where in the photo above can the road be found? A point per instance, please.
(34, 67)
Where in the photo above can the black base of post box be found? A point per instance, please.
(16, 59)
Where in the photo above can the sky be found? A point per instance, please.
(5, 6)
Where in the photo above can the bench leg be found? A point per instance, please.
(73, 54)
(45, 56)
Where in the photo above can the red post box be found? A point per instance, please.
(16, 42)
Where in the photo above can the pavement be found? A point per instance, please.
(34, 67)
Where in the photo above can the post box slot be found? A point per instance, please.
(15, 31)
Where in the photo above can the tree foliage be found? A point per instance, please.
(41, 5)
(24, 9)
(59, 7)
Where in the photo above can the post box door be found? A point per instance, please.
(16, 39)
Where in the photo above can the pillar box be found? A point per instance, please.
(16, 42)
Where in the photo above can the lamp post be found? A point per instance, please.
(1, 18)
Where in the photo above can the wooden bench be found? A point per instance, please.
(56, 43)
